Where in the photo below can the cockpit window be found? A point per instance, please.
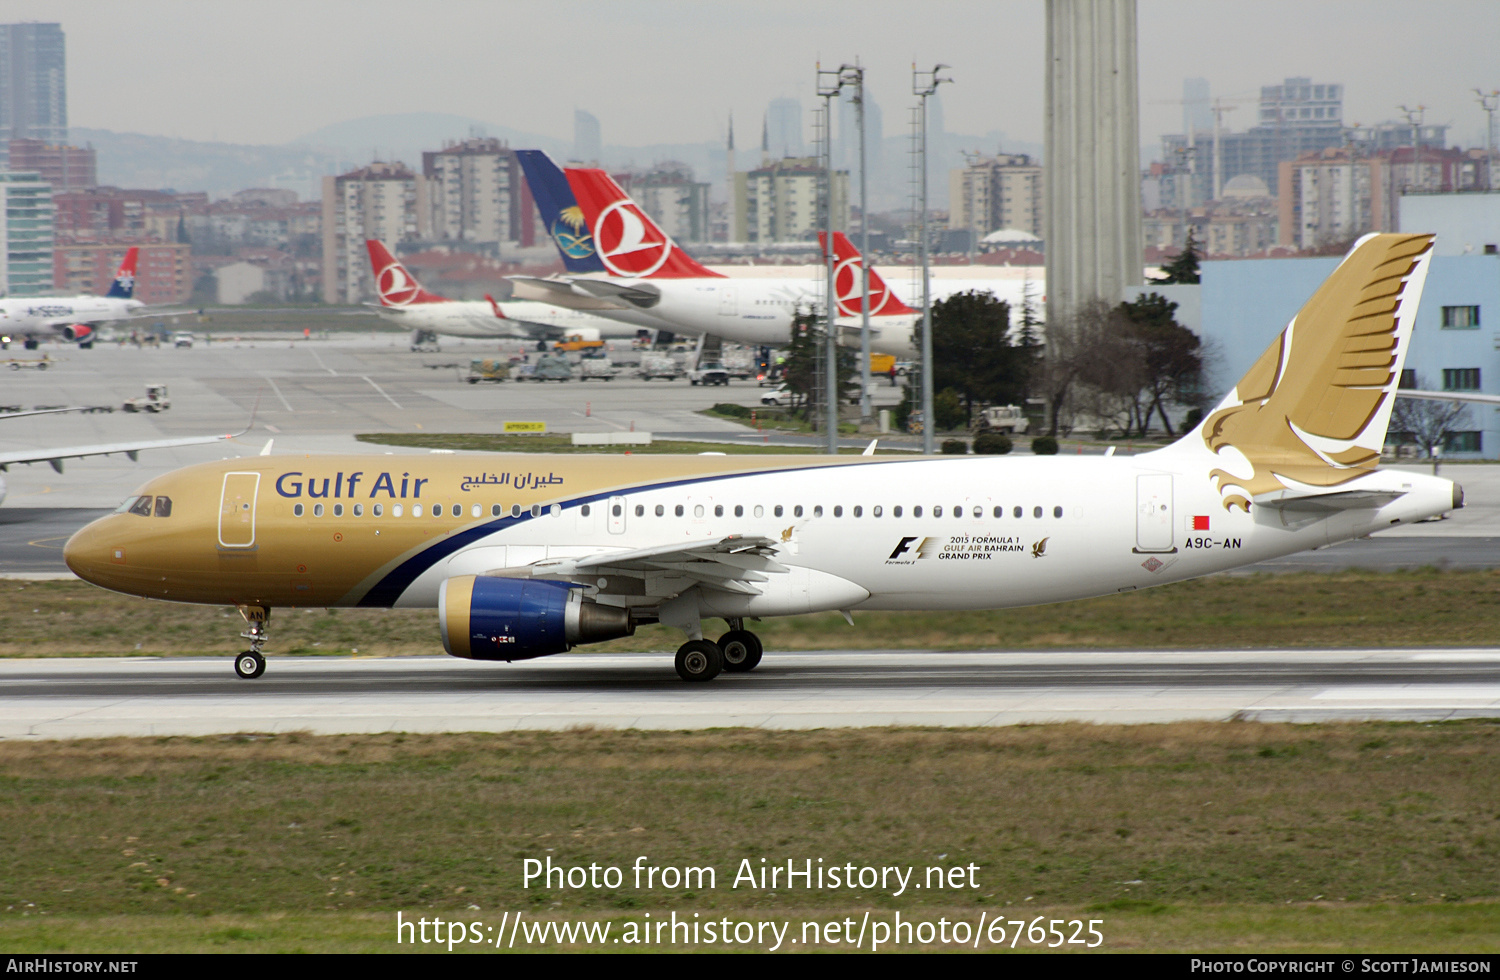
(142, 506)
(126, 504)
(163, 506)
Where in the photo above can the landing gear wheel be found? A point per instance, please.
(699, 660)
(742, 651)
(249, 665)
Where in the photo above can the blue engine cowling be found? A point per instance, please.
(487, 618)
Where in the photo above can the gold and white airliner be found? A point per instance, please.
(527, 555)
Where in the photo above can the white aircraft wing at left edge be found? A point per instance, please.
(55, 457)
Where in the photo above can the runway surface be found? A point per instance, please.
(62, 698)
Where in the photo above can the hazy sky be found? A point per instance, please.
(658, 71)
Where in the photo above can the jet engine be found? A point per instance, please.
(78, 331)
(488, 618)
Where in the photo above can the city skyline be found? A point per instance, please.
(646, 72)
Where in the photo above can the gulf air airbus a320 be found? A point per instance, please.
(528, 555)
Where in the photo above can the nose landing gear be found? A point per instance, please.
(252, 663)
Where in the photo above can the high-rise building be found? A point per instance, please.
(33, 84)
(991, 193)
(779, 202)
(1295, 117)
(383, 200)
(474, 191)
(66, 168)
(588, 145)
(673, 199)
(1197, 114)
(784, 127)
(26, 216)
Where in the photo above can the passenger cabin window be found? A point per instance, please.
(296, 510)
(496, 510)
(163, 506)
(660, 510)
(338, 510)
(640, 510)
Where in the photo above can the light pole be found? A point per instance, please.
(830, 83)
(855, 77)
(1489, 101)
(923, 84)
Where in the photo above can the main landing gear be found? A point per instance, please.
(252, 663)
(737, 651)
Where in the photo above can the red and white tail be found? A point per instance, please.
(628, 242)
(848, 287)
(124, 285)
(396, 286)
(499, 313)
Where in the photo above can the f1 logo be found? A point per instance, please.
(902, 548)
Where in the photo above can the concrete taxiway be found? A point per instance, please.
(42, 699)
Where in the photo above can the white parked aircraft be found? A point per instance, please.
(404, 301)
(524, 556)
(76, 318)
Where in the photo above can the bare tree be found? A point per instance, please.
(1072, 343)
(1427, 422)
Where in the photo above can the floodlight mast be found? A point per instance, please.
(855, 77)
(830, 83)
(923, 84)
(1489, 101)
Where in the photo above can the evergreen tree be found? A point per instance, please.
(1183, 270)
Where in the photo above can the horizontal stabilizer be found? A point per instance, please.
(1327, 501)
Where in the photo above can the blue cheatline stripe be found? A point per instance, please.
(385, 592)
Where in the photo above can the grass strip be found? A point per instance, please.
(1259, 611)
(1375, 836)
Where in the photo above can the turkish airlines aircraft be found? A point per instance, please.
(529, 555)
(595, 224)
(404, 301)
(75, 318)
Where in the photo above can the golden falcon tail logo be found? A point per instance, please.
(1314, 407)
(1039, 550)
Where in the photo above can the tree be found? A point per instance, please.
(1427, 422)
(1072, 339)
(804, 367)
(1183, 270)
(1169, 360)
(972, 352)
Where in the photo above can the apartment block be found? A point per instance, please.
(387, 201)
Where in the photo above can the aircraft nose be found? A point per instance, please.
(86, 553)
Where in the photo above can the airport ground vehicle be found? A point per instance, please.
(1009, 419)
(40, 364)
(548, 367)
(708, 373)
(596, 369)
(154, 400)
(487, 369)
(182, 338)
(780, 395)
(660, 366)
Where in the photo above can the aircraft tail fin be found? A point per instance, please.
(124, 285)
(627, 241)
(396, 286)
(499, 313)
(561, 215)
(848, 264)
(1312, 411)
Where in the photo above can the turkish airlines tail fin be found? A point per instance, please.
(124, 285)
(499, 313)
(626, 240)
(848, 264)
(1312, 412)
(396, 286)
(561, 215)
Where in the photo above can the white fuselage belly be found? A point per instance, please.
(460, 318)
(42, 313)
(888, 562)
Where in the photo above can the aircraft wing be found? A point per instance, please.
(560, 292)
(42, 411)
(1449, 396)
(732, 564)
(55, 457)
(642, 296)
